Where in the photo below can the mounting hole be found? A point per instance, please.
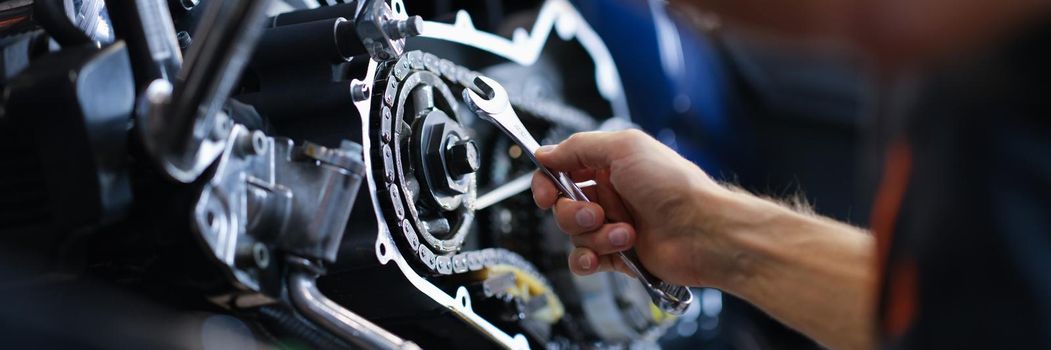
(258, 142)
(462, 298)
(399, 8)
(383, 251)
(211, 219)
(260, 255)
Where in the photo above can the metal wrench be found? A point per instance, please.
(489, 100)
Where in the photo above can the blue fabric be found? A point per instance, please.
(628, 29)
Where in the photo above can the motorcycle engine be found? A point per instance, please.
(305, 170)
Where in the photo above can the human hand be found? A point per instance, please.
(647, 197)
(810, 272)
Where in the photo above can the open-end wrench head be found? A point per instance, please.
(486, 97)
(482, 88)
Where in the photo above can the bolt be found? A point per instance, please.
(157, 93)
(184, 39)
(359, 91)
(253, 144)
(251, 253)
(462, 158)
(260, 255)
(399, 29)
(189, 4)
(259, 141)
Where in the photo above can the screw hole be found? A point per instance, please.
(261, 255)
(210, 219)
(259, 142)
(383, 249)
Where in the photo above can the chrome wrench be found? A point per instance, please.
(489, 100)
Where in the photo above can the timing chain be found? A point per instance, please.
(453, 74)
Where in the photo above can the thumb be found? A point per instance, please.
(586, 150)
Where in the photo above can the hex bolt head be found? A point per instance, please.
(462, 158)
(400, 29)
(359, 91)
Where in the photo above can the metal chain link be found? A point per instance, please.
(453, 74)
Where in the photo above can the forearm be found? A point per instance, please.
(811, 273)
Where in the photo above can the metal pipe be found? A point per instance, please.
(182, 126)
(308, 300)
(227, 36)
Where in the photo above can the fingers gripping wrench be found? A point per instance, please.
(490, 101)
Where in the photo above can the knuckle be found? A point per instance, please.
(634, 134)
(635, 138)
(582, 137)
(573, 139)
